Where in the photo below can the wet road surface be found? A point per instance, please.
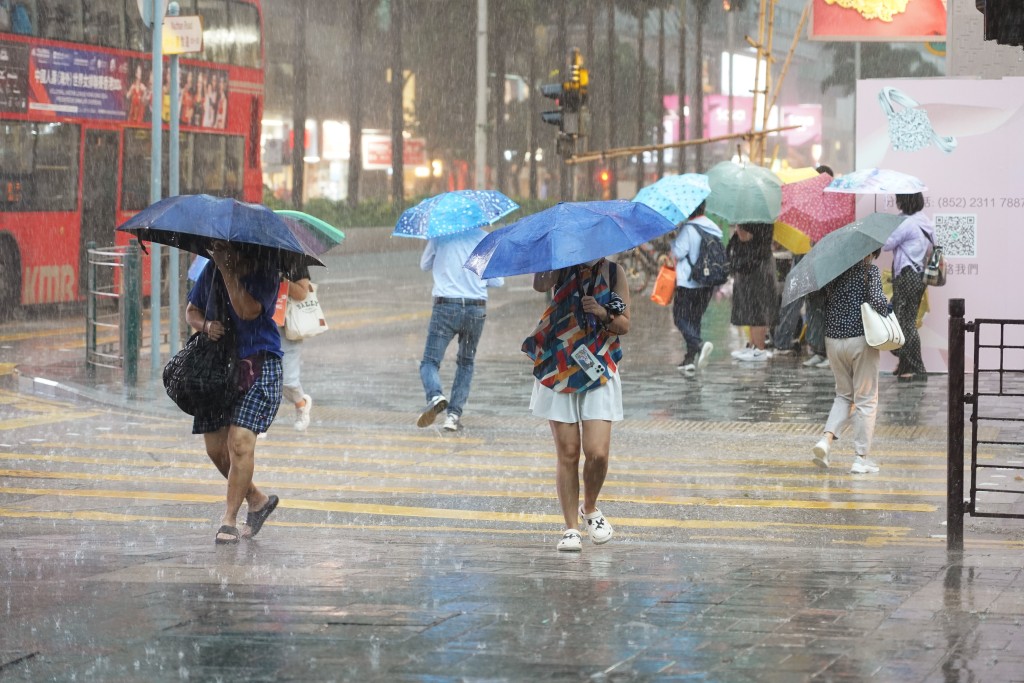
(407, 554)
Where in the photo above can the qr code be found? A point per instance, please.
(957, 233)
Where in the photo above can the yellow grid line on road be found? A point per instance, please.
(45, 419)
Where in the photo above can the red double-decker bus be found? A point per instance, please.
(75, 102)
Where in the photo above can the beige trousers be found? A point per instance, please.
(855, 366)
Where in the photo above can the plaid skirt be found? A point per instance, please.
(256, 409)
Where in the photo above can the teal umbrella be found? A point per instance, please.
(744, 194)
(837, 252)
(675, 196)
(318, 235)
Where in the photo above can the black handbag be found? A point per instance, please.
(202, 378)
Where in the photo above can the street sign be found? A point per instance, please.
(146, 10)
(182, 35)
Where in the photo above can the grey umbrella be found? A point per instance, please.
(837, 252)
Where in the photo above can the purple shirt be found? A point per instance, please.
(910, 243)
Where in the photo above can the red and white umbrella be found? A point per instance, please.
(808, 208)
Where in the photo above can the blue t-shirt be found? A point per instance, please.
(252, 336)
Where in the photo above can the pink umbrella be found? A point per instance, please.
(808, 208)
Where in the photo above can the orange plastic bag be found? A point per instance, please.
(664, 286)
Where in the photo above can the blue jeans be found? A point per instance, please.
(447, 321)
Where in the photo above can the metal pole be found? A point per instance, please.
(173, 180)
(480, 154)
(955, 430)
(90, 310)
(131, 315)
(155, 189)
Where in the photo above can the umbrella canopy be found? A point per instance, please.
(837, 252)
(744, 194)
(795, 175)
(194, 222)
(807, 207)
(565, 235)
(790, 238)
(316, 235)
(450, 213)
(676, 196)
(877, 181)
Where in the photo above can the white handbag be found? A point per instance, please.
(304, 319)
(881, 332)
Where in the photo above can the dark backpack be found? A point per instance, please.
(712, 265)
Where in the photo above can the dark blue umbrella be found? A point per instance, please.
(565, 235)
(194, 222)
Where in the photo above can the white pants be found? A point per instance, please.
(291, 363)
(855, 366)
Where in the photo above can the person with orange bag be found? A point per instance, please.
(691, 298)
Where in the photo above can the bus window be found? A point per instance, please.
(208, 165)
(60, 19)
(137, 36)
(245, 30)
(103, 22)
(135, 173)
(233, 159)
(216, 31)
(18, 16)
(38, 167)
(55, 172)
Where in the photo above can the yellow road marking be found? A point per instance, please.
(610, 486)
(426, 438)
(46, 419)
(92, 516)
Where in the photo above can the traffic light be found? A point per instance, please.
(576, 87)
(604, 182)
(555, 92)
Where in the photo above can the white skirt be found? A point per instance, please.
(603, 402)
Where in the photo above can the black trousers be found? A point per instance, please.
(907, 290)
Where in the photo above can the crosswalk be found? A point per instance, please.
(60, 461)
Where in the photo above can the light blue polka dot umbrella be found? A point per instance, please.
(676, 196)
(453, 212)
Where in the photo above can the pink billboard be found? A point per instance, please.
(962, 138)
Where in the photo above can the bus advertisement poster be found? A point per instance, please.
(77, 83)
(13, 78)
(203, 97)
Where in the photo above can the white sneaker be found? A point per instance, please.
(434, 408)
(451, 423)
(302, 414)
(862, 465)
(571, 542)
(739, 352)
(598, 528)
(824, 364)
(705, 355)
(753, 355)
(814, 360)
(820, 451)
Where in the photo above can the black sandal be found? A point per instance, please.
(255, 520)
(227, 531)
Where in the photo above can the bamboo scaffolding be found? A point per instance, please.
(640, 149)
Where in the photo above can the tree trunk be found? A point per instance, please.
(355, 159)
(681, 89)
(588, 170)
(612, 44)
(533, 120)
(641, 98)
(698, 86)
(661, 88)
(500, 128)
(299, 106)
(564, 178)
(397, 112)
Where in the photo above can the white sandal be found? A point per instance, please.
(571, 542)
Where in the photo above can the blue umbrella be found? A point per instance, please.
(450, 213)
(565, 235)
(194, 222)
(676, 196)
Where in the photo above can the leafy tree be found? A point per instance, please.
(877, 60)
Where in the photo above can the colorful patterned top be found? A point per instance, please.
(564, 326)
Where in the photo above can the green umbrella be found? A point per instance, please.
(321, 232)
(744, 194)
(837, 252)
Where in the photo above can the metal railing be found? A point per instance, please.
(997, 401)
(113, 310)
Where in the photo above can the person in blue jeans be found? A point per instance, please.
(460, 308)
(690, 301)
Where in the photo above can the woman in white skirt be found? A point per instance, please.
(576, 352)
